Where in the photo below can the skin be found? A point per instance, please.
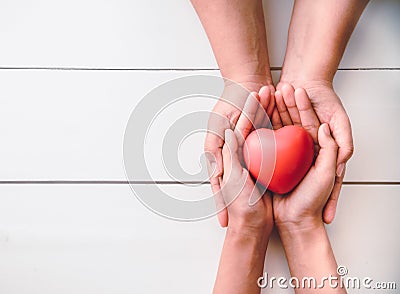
(249, 228)
(318, 35)
(237, 25)
(297, 215)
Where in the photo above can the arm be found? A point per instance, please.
(236, 31)
(241, 263)
(246, 240)
(318, 35)
(298, 215)
(309, 254)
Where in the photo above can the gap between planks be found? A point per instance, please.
(170, 69)
(121, 182)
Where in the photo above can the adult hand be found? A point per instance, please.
(330, 110)
(235, 110)
(304, 205)
(298, 214)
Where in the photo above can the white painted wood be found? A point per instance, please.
(70, 124)
(372, 103)
(100, 239)
(160, 34)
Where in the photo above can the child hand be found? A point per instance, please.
(249, 209)
(234, 110)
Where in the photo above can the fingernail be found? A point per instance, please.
(340, 169)
(326, 129)
(263, 89)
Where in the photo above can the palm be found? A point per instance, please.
(235, 110)
(329, 109)
(299, 204)
(294, 107)
(248, 206)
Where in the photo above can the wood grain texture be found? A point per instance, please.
(161, 34)
(69, 125)
(100, 238)
(67, 122)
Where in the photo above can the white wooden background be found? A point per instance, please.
(70, 74)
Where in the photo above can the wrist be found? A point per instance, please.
(302, 235)
(299, 226)
(248, 237)
(313, 87)
(305, 80)
(302, 71)
(260, 231)
(252, 79)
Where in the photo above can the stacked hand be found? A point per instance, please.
(234, 111)
(329, 109)
(297, 215)
(321, 106)
(307, 201)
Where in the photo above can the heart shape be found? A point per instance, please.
(290, 148)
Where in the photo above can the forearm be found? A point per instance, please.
(318, 35)
(241, 263)
(309, 254)
(236, 31)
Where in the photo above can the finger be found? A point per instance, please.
(232, 167)
(283, 112)
(308, 117)
(267, 99)
(261, 115)
(330, 207)
(214, 164)
(246, 120)
(326, 159)
(219, 201)
(213, 151)
(289, 99)
(271, 105)
(217, 124)
(276, 120)
(279, 86)
(266, 102)
(341, 130)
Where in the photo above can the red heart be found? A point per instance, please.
(293, 148)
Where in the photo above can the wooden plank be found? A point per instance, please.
(160, 34)
(99, 238)
(69, 125)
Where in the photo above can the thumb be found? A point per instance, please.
(230, 156)
(327, 156)
(341, 130)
